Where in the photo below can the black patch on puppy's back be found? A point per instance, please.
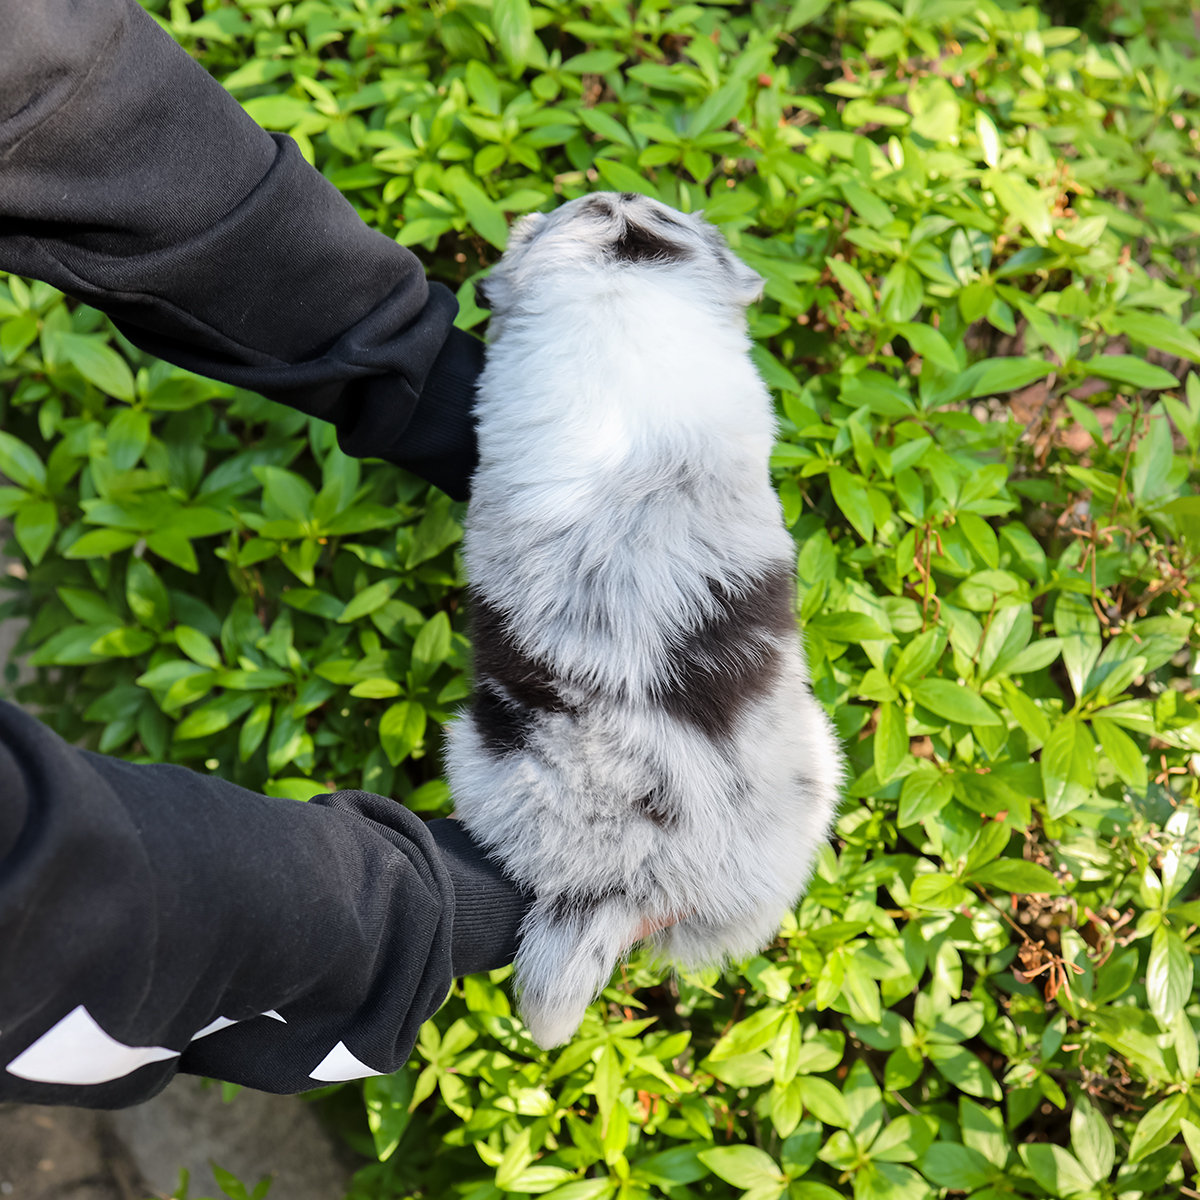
(503, 727)
(638, 244)
(513, 686)
(733, 656)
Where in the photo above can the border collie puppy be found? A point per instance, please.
(643, 749)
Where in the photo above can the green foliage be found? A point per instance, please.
(978, 234)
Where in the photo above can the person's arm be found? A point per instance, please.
(154, 920)
(132, 180)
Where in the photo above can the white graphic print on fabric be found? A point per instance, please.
(76, 1051)
(340, 1065)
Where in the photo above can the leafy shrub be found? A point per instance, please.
(978, 232)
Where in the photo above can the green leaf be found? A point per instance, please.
(1191, 1137)
(926, 792)
(1168, 973)
(294, 788)
(891, 741)
(16, 336)
(513, 22)
(146, 594)
(1152, 459)
(1123, 752)
(315, 601)
(1018, 876)
(744, 1166)
(1124, 368)
(903, 1139)
(624, 179)
(401, 729)
(34, 527)
(1023, 202)
(368, 600)
(1158, 1127)
(851, 279)
(1057, 1170)
(197, 647)
(903, 1068)
(753, 1033)
(718, 110)
(484, 214)
(100, 543)
(949, 1165)
(848, 627)
(1160, 332)
(937, 891)
(850, 494)
(1076, 624)
(386, 1098)
(98, 363)
(278, 111)
(823, 1100)
(1092, 1141)
(20, 463)
(983, 1130)
(128, 433)
(965, 1071)
(954, 702)
(124, 643)
(286, 496)
(432, 646)
(919, 656)
(1068, 771)
(903, 290)
(254, 729)
(584, 1189)
(214, 716)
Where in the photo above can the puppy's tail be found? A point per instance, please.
(570, 945)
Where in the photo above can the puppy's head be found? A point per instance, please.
(609, 236)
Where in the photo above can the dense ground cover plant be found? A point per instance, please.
(978, 231)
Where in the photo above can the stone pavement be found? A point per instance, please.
(136, 1153)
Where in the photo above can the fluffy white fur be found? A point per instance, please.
(625, 544)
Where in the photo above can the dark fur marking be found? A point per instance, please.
(733, 657)
(637, 244)
(503, 727)
(513, 687)
(576, 907)
(481, 296)
(657, 810)
(497, 655)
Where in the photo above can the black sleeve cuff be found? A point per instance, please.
(488, 907)
(433, 437)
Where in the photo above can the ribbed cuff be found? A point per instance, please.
(438, 441)
(488, 908)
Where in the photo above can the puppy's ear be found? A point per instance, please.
(748, 284)
(525, 228)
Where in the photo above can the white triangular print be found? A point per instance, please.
(273, 1015)
(77, 1051)
(339, 1065)
(213, 1027)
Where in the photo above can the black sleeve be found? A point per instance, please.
(154, 920)
(132, 180)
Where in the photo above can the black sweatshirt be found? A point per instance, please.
(153, 919)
